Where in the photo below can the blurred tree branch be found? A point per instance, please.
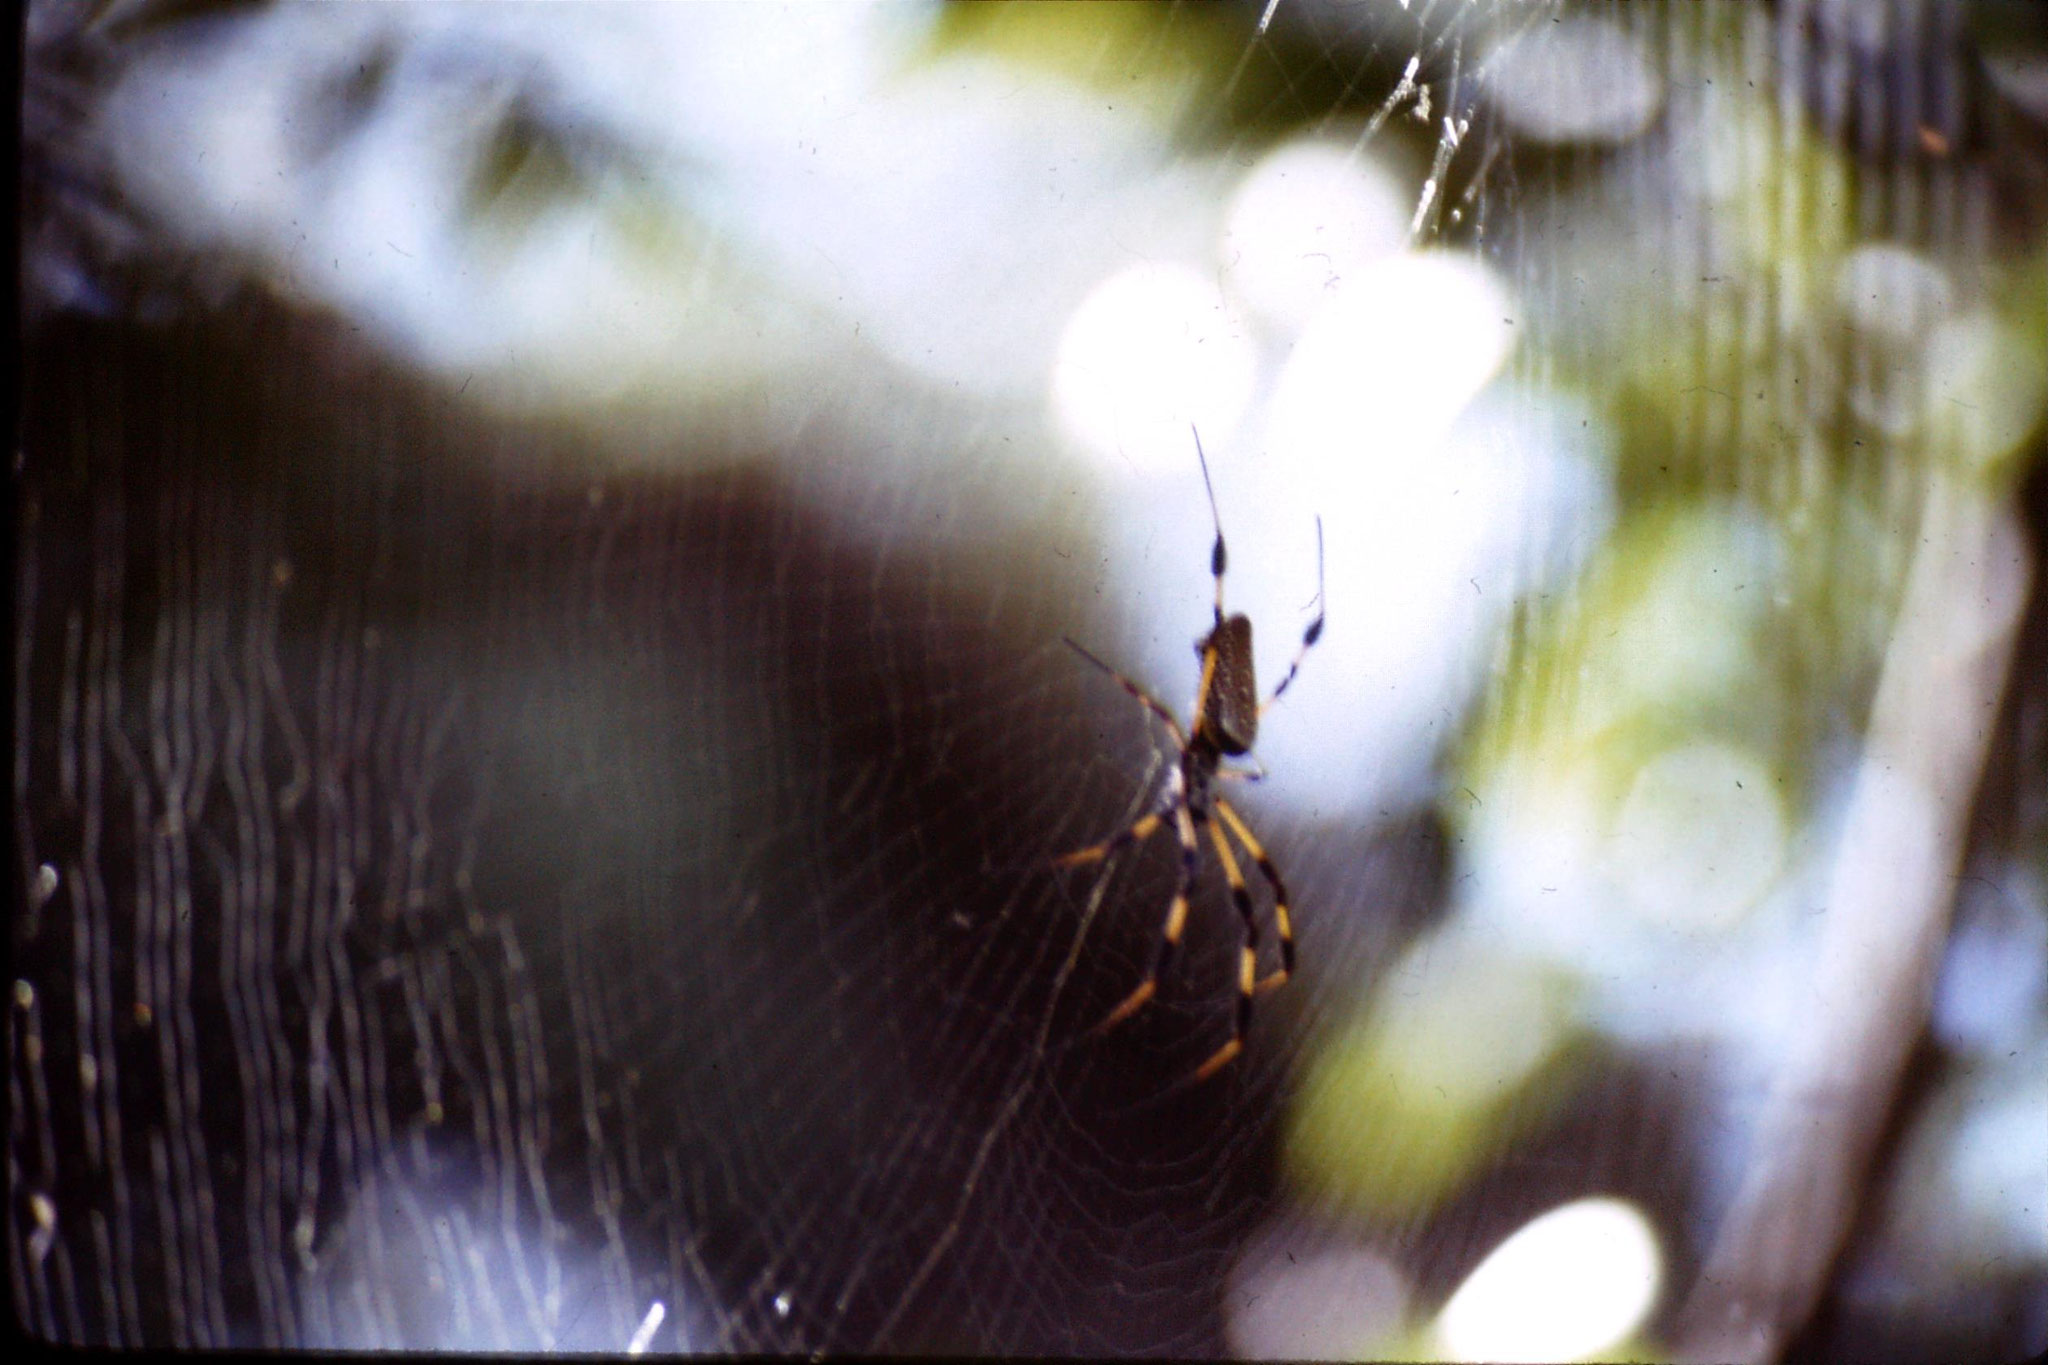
(1890, 892)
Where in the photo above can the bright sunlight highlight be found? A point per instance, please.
(1150, 352)
(1572, 1285)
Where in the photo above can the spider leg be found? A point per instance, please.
(1218, 559)
(1144, 829)
(1145, 698)
(1281, 920)
(1176, 921)
(1315, 627)
(1248, 959)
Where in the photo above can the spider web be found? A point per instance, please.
(553, 902)
(469, 909)
(538, 912)
(479, 896)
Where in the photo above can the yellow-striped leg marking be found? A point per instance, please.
(1176, 922)
(1225, 1055)
(1282, 921)
(1240, 894)
(1095, 853)
(1247, 973)
(1247, 959)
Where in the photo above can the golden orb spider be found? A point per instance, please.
(1226, 721)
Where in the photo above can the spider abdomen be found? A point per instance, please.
(1230, 708)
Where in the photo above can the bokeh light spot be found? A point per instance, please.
(1570, 1285)
(1698, 838)
(1386, 366)
(1575, 79)
(1309, 216)
(1150, 351)
(1293, 1300)
(1463, 1050)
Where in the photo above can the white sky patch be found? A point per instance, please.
(1574, 79)
(1384, 368)
(1572, 1284)
(1308, 217)
(1426, 501)
(1892, 293)
(1994, 977)
(948, 211)
(1994, 1166)
(1671, 900)
(1561, 867)
(1427, 548)
(1153, 350)
(235, 136)
(959, 211)
(1892, 299)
